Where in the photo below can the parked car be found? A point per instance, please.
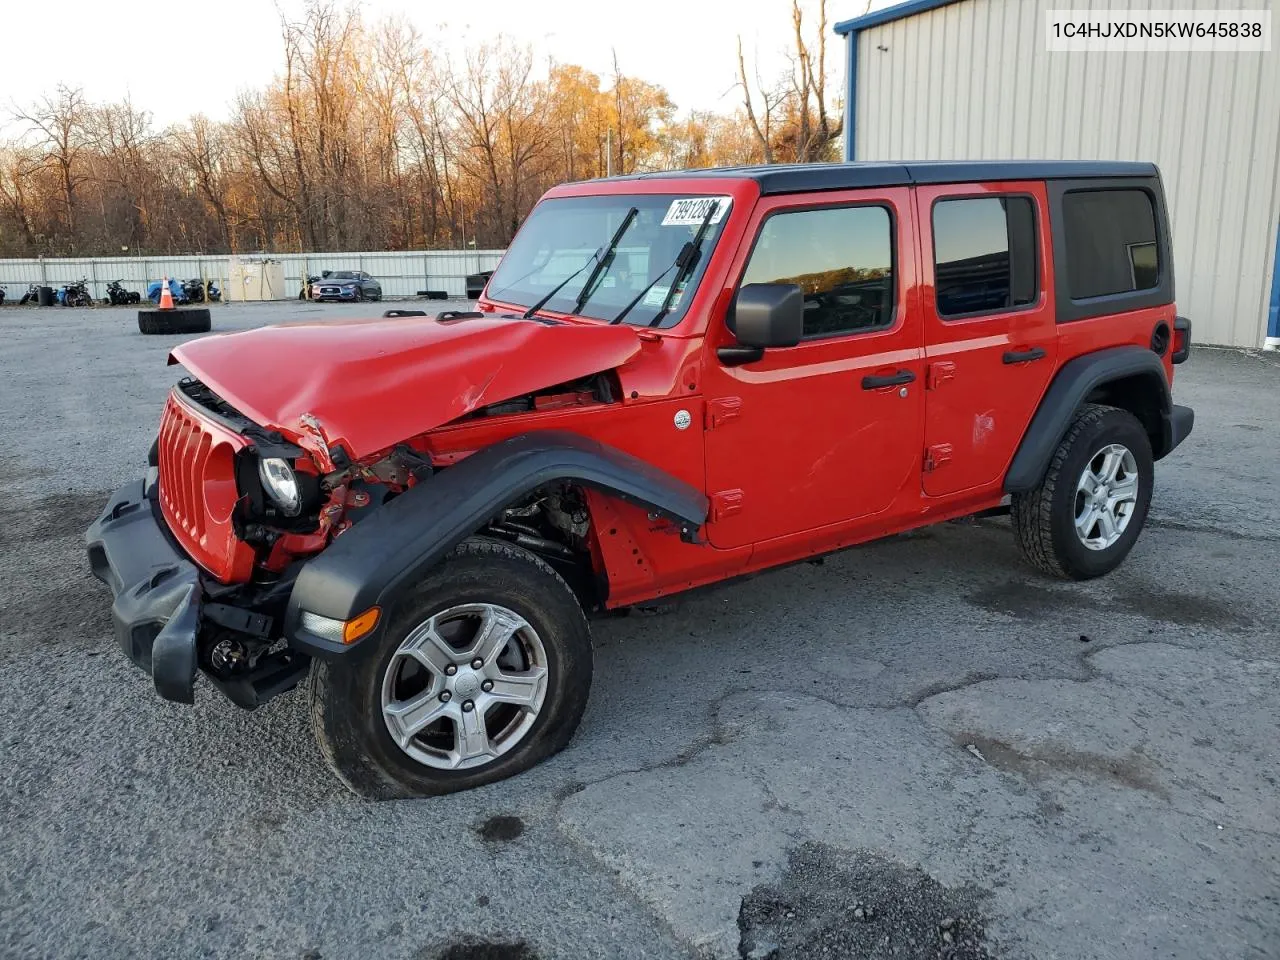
(309, 283)
(668, 383)
(346, 285)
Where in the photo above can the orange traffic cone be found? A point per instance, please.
(166, 296)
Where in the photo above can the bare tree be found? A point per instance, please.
(763, 131)
(59, 122)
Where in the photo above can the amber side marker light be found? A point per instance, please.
(340, 631)
(360, 626)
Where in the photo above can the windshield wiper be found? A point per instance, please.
(603, 263)
(686, 260)
(528, 314)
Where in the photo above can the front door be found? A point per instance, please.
(830, 430)
(990, 335)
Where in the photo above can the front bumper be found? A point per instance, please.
(157, 590)
(329, 293)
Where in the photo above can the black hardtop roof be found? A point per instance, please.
(803, 177)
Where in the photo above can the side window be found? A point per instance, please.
(984, 255)
(1111, 242)
(841, 257)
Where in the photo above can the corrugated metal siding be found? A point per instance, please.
(401, 274)
(972, 80)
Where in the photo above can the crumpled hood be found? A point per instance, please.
(369, 384)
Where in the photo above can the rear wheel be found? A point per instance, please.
(482, 672)
(1083, 518)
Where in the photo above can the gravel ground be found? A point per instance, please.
(983, 762)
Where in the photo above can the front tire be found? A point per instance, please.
(482, 672)
(1083, 518)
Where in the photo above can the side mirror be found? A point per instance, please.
(764, 315)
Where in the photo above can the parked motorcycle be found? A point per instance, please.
(118, 296)
(31, 296)
(198, 291)
(76, 294)
(3, 291)
(305, 292)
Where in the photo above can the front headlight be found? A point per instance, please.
(281, 485)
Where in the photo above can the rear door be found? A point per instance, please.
(990, 334)
(829, 430)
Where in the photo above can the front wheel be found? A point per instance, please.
(1082, 519)
(482, 672)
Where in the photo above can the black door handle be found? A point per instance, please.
(1023, 356)
(889, 380)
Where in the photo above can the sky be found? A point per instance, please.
(176, 59)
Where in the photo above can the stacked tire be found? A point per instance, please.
(196, 320)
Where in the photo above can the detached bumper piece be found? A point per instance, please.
(157, 590)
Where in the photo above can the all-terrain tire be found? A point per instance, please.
(345, 698)
(196, 320)
(1044, 517)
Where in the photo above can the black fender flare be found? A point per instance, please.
(1074, 382)
(390, 549)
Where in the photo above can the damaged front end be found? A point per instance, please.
(202, 555)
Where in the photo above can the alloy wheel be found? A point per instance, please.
(1106, 496)
(465, 686)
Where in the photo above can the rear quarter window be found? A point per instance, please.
(1111, 242)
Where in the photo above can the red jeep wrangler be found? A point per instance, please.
(671, 380)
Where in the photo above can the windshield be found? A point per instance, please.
(342, 275)
(561, 235)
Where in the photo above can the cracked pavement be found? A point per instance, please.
(921, 728)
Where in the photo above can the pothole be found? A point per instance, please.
(841, 904)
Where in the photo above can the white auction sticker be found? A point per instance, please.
(690, 211)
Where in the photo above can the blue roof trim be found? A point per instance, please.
(1273, 317)
(889, 14)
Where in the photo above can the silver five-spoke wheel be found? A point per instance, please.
(1106, 496)
(465, 686)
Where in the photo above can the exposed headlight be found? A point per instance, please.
(281, 485)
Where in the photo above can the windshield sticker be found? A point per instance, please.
(655, 296)
(690, 211)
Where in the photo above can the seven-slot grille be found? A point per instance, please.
(198, 490)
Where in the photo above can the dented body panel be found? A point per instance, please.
(366, 385)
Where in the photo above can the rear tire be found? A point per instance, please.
(1066, 526)
(197, 320)
(349, 701)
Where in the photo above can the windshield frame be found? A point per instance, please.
(620, 195)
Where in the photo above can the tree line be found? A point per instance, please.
(365, 140)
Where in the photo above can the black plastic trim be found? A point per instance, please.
(1182, 325)
(1178, 426)
(1160, 295)
(156, 589)
(390, 549)
(1074, 382)
(802, 178)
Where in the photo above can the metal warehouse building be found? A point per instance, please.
(972, 79)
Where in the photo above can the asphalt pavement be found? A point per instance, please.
(920, 748)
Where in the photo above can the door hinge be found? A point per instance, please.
(936, 455)
(940, 371)
(726, 503)
(721, 409)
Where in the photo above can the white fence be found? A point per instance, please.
(401, 274)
